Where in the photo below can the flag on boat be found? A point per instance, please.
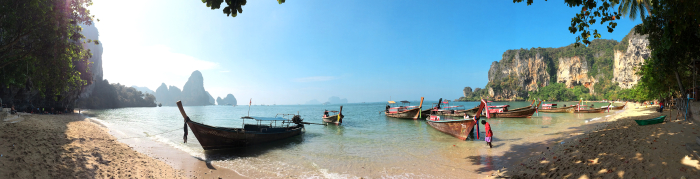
(251, 102)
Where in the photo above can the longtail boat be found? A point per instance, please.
(274, 128)
(447, 110)
(335, 119)
(405, 112)
(550, 108)
(582, 109)
(526, 107)
(615, 107)
(502, 112)
(459, 128)
(470, 112)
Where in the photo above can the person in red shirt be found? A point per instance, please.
(489, 133)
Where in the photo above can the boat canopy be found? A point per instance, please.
(392, 102)
(405, 102)
(265, 118)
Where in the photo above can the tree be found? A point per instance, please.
(630, 8)
(674, 32)
(40, 45)
(233, 7)
(592, 11)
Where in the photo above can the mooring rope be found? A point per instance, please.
(150, 135)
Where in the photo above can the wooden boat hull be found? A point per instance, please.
(657, 120)
(457, 128)
(598, 110)
(617, 107)
(407, 114)
(569, 109)
(333, 119)
(518, 109)
(211, 137)
(525, 113)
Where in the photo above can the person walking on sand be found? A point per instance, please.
(489, 133)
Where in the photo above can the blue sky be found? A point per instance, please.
(365, 51)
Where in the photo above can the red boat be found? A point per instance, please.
(459, 128)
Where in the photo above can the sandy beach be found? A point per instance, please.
(70, 146)
(618, 148)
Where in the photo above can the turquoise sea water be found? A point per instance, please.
(367, 144)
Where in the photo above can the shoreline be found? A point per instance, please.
(74, 146)
(482, 162)
(617, 147)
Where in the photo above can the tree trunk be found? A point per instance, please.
(680, 85)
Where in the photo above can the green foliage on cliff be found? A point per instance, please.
(107, 95)
(559, 92)
(598, 56)
(477, 95)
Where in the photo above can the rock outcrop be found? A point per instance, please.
(573, 71)
(521, 71)
(228, 100)
(192, 94)
(91, 32)
(467, 91)
(337, 100)
(633, 57)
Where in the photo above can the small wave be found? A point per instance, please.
(179, 146)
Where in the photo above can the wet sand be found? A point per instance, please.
(70, 146)
(617, 148)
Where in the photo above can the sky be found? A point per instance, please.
(291, 53)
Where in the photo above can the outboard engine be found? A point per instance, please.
(297, 120)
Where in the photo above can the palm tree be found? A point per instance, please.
(630, 8)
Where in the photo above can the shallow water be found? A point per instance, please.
(367, 144)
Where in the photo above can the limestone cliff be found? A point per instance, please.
(522, 71)
(91, 32)
(632, 57)
(518, 71)
(193, 93)
(573, 71)
(228, 100)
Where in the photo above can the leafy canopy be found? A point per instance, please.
(40, 45)
(592, 11)
(233, 7)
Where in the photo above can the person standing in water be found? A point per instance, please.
(489, 133)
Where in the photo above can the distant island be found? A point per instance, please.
(228, 100)
(331, 100)
(192, 94)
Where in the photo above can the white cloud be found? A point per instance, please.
(315, 78)
(150, 66)
(225, 71)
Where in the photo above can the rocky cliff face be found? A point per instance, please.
(91, 32)
(521, 71)
(626, 61)
(573, 71)
(193, 93)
